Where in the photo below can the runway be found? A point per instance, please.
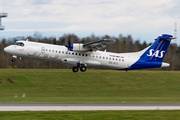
(87, 106)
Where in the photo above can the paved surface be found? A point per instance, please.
(87, 106)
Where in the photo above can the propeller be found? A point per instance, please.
(53, 41)
(68, 42)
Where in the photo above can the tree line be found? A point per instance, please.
(123, 44)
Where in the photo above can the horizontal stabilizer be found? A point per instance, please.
(165, 37)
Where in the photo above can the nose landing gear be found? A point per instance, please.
(13, 58)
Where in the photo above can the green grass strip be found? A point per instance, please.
(59, 85)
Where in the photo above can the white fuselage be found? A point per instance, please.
(80, 55)
(58, 53)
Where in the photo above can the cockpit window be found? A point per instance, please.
(19, 44)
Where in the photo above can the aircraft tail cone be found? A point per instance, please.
(165, 64)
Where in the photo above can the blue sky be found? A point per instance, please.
(142, 19)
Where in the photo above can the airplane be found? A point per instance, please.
(82, 56)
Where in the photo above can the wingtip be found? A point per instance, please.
(112, 40)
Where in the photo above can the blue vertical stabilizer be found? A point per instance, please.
(154, 55)
(158, 49)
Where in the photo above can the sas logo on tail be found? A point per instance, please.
(156, 54)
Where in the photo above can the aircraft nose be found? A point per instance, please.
(6, 49)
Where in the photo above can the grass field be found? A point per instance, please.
(91, 115)
(105, 86)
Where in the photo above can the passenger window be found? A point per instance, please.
(79, 54)
(82, 54)
(66, 52)
(119, 59)
(59, 51)
(72, 53)
(103, 57)
(89, 55)
(116, 59)
(76, 53)
(100, 57)
(62, 52)
(123, 60)
(96, 56)
(49, 50)
(56, 51)
(106, 57)
(109, 58)
(86, 55)
(113, 59)
(46, 50)
(69, 53)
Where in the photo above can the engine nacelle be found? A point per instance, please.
(77, 47)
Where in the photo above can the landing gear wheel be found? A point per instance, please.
(83, 68)
(75, 69)
(13, 60)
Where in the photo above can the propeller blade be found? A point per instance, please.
(68, 42)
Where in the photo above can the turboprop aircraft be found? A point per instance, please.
(87, 55)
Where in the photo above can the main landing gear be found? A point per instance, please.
(75, 69)
(82, 68)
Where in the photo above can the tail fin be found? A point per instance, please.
(158, 49)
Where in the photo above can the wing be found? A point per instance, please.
(96, 45)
